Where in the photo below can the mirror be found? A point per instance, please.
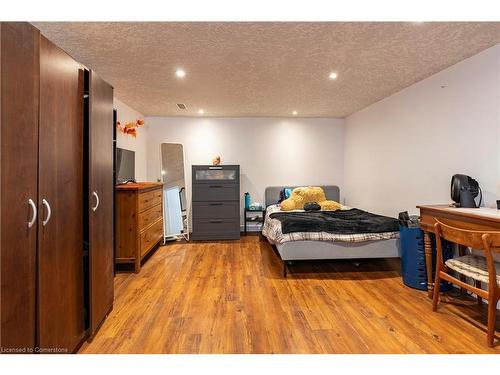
(175, 219)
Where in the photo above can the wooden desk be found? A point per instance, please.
(483, 218)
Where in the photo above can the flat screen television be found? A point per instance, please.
(125, 165)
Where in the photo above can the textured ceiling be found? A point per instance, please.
(266, 69)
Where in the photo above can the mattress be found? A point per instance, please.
(272, 231)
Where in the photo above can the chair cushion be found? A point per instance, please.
(472, 266)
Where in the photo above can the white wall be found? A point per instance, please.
(403, 150)
(270, 151)
(126, 114)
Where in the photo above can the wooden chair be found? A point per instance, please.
(481, 269)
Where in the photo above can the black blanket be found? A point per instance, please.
(338, 222)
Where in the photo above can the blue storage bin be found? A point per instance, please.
(413, 268)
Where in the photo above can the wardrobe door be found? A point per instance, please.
(18, 176)
(101, 199)
(60, 235)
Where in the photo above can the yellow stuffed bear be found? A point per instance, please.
(302, 195)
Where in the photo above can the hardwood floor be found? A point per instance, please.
(230, 297)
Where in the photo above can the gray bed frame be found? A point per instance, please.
(316, 250)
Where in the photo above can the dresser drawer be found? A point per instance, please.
(207, 174)
(150, 236)
(208, 229)
(216, 210)
(146, 218)
(149, 199)
(216, 192)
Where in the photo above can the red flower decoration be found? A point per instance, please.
(130, 128)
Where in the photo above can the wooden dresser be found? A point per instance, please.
(138, 221)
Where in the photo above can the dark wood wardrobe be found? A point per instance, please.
(19, 93)
(60, 187)
(101, 191)
(45, 178)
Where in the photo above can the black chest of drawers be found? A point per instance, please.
(216, 202)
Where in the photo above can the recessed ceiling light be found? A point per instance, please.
(180, 73)
(201, 111)
(294, 113)
(333, 75)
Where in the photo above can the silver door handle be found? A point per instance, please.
(49, 212)
(33, 213)
(96, 201)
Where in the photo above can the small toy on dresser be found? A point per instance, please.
(216, 160)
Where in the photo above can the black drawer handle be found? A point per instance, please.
(216, 221)
(216, 186)
(216, 204)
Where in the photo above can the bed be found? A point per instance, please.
(321, 245)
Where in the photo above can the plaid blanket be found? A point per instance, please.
(272, 230)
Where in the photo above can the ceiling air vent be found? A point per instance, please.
(181, 106)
